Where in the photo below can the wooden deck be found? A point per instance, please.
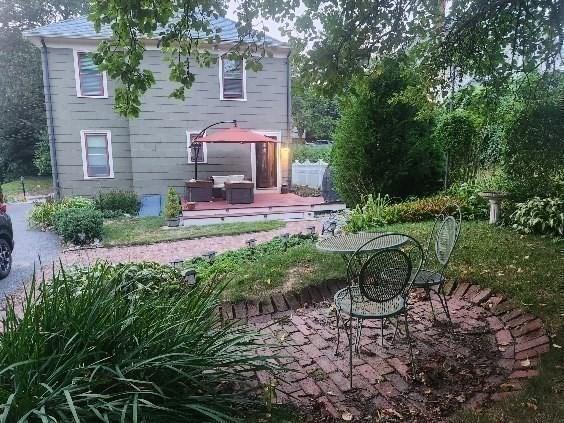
(267, 206)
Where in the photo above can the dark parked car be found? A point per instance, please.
(6, 242)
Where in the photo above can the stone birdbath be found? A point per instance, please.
(494, 198)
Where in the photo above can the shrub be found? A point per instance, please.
(116, 203)
(426, 208)
(302, 152)
(42, 214)
(383, 141)
(172, 207)
(457, 133)
(42, 156)
(533, 126)
(125, 343)
(230, 261)
(540, 216)
(373, 213)
(378, 212)
(79, 225)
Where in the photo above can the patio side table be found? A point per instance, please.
(346, 245)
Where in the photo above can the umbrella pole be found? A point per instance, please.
(198, 145)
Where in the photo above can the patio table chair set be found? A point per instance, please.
(382, 272)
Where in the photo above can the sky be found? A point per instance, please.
(270, 24)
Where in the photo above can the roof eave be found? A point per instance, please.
(61, 41)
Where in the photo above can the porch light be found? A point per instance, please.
(189, 278)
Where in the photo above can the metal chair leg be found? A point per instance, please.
(428, 291)
(358, 335)
(409, 343)
(338, 332)
(444, 304)
(351, 351)
(396, 331)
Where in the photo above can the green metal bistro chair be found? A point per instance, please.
(379, 291)
(440, 245)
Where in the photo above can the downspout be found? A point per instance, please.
(50, 119)
(289, 116)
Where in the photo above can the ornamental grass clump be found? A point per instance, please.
(124, 343)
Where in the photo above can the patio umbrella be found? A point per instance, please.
(233, 135)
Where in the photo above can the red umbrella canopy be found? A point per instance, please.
(235, 135)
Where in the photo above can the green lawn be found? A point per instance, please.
(149, 230)
(528, 269)
(34, 185)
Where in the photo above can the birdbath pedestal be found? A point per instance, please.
(494, 198)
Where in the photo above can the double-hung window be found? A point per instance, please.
(202, 151)
(90, 81)
(97, 161)
(232, 79)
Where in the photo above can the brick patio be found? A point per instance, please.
(494, 349)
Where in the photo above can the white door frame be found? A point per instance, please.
(278, 135)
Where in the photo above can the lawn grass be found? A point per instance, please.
(527, 269)
(34, 185)
(149, 230)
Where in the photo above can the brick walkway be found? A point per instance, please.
(494, 349)
(166, 252)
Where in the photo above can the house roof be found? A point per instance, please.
(82, 28)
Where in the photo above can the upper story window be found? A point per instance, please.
(97, 161)
(192, 151)
(90, 82)
(232, 79)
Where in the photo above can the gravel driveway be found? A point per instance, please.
(29, 246)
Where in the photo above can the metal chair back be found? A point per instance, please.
(443, 238)
(385, 275)
(407, 244)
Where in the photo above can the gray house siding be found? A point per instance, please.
(150, 152)
(158, 137)
(72, 114)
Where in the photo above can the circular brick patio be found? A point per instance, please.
(494, 348)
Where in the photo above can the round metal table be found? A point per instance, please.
(348, 244)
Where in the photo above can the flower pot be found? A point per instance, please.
(191, 205)
(173, 223)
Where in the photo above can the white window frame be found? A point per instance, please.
(221, 82)
(204, 147)
(108, 135)
(77, 77)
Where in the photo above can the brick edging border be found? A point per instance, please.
(521, 337)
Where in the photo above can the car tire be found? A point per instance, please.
(5, 258)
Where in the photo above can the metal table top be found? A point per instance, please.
(349, 243)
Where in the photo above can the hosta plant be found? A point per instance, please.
(541, 216)
(124, 343)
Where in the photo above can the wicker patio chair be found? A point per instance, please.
(440, 245)
(379, 291)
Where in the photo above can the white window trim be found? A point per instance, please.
(108, 135)
(278, 135)
(204, 147)
(77, 77)
(221, 82)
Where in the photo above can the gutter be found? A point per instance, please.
(50, 119)
(289, 115)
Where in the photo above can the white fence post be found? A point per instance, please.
(308, 173)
